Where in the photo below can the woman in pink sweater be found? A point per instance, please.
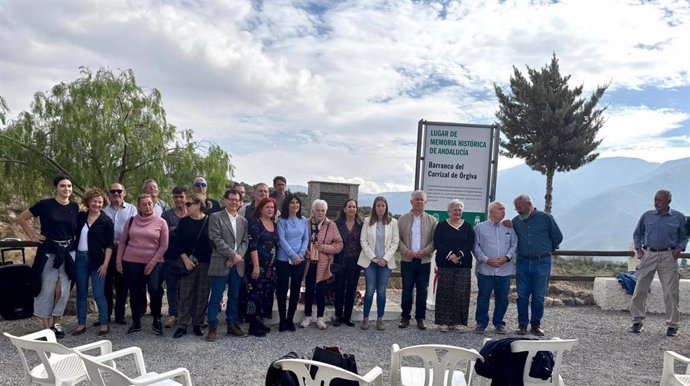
(324, 242)
(143, 242)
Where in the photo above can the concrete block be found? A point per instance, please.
(610, 295)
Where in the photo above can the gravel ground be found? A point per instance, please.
(606, 353)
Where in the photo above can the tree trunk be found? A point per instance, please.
(548, 197)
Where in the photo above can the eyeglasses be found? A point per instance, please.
(115, 191)
(200, 184)
(188, 204)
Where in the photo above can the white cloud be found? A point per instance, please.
(338, 93)
(639, 126)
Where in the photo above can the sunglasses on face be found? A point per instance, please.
(200, 184)
(188, 204)
(115, 191)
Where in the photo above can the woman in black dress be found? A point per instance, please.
(454, 240)
(261, 283)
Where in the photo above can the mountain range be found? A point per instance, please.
(596, 206)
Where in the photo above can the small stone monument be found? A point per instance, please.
(334, 193)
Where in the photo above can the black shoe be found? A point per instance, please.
(157, 326)
(349, 323)
(291, 326)
(256, 332)
(179, 332)
(404, 322)
(421, 324)
(121, 321)
(337, 321)
(672, 331)
(104, 332)
(261, 326)
(197, 331)
(636, 328)
(135, 327)
(282, 327)
(522, 329)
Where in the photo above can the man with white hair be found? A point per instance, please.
(416, 248)
(538, 236)
(494, 249)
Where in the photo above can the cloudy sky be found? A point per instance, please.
(333, 90)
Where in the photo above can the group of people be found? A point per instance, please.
(263, 251)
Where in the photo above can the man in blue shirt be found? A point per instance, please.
(538, 236)
(120, 212)
(494, 248)
(659, 238)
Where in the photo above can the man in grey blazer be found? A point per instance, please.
(416, 249)
(228, 232)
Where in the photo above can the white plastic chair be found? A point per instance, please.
(669, 376)
(95, 367)
(326, 372)
(438, 370)
(59, 364)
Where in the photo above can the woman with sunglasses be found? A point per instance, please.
(140, 259)
(191, 236)
(263, 239)
(54, 261)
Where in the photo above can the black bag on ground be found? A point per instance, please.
(278, 377)
(16, 294)
(505, 368)
(332, 356)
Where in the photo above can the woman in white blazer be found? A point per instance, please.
(379, 241)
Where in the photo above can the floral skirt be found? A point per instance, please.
(453, 296)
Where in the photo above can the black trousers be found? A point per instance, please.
(314, 290)
(115, 290)
(346, 283)
(289, 277)
(138, 282)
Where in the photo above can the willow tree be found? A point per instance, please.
(98, 129)
(546, 123)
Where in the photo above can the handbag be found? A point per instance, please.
(332, 356)
(179, 268)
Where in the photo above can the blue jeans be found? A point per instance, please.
(376, 278)
(98, 284)
(414, 274)
(233, 280)
(532, 279)
(500, 286)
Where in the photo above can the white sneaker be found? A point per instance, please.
(320, 323)
(443, 328)
(305, 322)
